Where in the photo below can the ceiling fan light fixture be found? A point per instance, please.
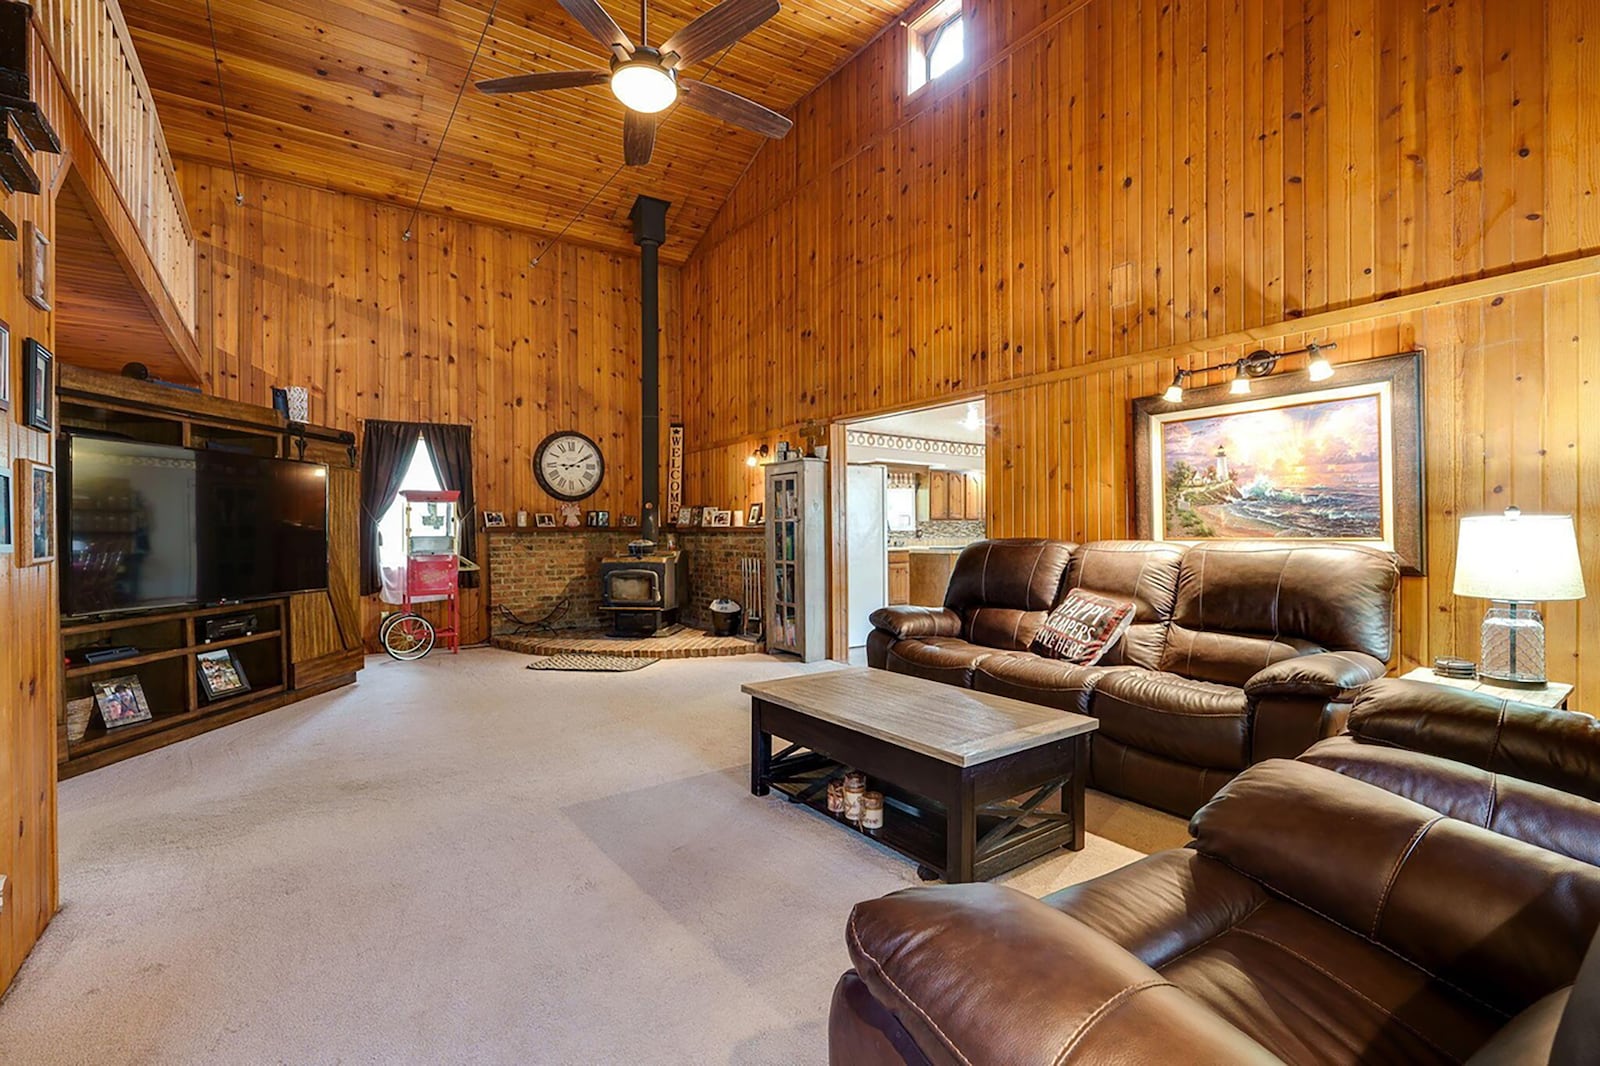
(644, 86)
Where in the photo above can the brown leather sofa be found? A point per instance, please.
(1238, 652)
(1421, 890)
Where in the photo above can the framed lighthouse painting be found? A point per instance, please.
(1337, 460)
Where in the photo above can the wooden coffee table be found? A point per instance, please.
(950, 762)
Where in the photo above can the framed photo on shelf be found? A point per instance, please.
(5, 367)
(120, 701)
(38, 385)
(36, 527)
(221, 674)
(722, 519)
(630, 521)
(756, 517)
(494, 520)
(7, 528)
(36, 266)
(544, 520)
(1292, 460)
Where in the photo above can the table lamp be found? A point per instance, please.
(1515, 560)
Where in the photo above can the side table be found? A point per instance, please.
(1553, 695)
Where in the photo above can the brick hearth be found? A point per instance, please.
(530, 571)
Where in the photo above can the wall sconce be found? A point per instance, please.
(757, 455)
(1258, 364)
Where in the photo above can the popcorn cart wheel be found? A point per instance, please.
(433, 573)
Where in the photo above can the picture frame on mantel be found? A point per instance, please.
(1293, 460)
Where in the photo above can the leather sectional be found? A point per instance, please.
(1420, 890)
(1238, 652)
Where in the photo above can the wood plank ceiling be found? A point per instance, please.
(351, 95)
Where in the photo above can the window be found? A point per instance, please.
(937, 43)
(420, 476)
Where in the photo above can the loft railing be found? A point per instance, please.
(93, 52)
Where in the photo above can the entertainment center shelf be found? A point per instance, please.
(298, 645)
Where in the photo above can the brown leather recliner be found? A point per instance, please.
(1239, 651)
(1421, 890)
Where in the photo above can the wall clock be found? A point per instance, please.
(569, 465)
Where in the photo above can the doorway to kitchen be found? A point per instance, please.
(914, 497)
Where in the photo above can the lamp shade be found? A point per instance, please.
(1520, 557)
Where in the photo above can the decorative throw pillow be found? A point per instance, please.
(1083, 627)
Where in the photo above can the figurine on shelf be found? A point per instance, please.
(571, 516)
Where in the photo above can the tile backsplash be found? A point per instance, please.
(945, 533)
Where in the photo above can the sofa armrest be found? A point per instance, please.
(1378, 864)
(1329, 675)
(1492, 732)
(980, 973)
(904, 621)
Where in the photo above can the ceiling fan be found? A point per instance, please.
(645, 78)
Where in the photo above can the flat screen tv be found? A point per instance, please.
(152, 525)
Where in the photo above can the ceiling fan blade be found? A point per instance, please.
(592, 17)
(716, 29)
(538, 83)
(639, 138)
(731, 107)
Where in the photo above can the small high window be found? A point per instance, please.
(937, 42)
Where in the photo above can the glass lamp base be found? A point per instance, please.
(1513, 646)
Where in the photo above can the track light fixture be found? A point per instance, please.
(1258, 364)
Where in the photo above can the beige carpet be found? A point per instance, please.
(460, 860)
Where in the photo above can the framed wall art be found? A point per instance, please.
(38, 385)
(7, 525)
(36, 522)
(5, 367)
(1337, 460)
(36, 266)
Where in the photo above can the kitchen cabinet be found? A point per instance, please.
(930, 575)
(938, 495)
(953, 495)
(899, 577)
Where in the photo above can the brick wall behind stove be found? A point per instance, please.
(713, 563)
(530, 573)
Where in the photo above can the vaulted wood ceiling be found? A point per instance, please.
(352, 95)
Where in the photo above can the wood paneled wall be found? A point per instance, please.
(302, 286)
(30, 661)
(1111, 187)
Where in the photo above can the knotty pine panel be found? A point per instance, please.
(1111, 180)
(302, 286)
(30, 660)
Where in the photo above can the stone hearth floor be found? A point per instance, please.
(687, 643)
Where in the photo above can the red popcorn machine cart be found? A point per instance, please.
(432, 531)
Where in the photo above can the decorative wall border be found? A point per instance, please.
(863, 439)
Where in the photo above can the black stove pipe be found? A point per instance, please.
(649, 232)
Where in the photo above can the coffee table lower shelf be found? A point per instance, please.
(916, 827)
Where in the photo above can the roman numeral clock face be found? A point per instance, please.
(569, 466)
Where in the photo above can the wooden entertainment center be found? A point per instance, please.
(299, 645)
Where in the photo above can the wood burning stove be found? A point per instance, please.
(642, 592)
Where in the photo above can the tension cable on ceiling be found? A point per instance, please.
(222, 97)
(439, 148)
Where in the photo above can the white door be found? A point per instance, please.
(867, 538)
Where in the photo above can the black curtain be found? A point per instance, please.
(450, 447)
(385, 452)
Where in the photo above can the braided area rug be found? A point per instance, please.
(603, 664)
